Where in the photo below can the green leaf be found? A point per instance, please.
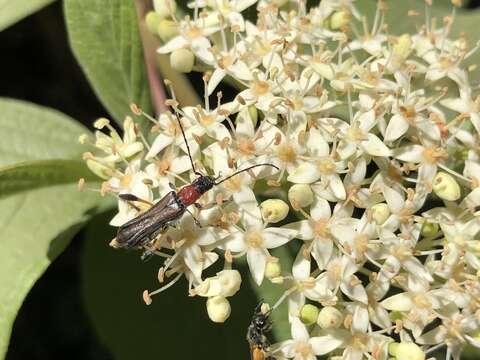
(40, 205)
(36, 174)
(12, 11)
(33, 132)
(174, 326)
(105, 40)
(35, 227)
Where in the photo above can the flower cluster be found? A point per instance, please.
(375, 137)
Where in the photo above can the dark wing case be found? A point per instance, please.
(139, 230)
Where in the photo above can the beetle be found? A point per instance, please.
(256, 334)
(142, 230)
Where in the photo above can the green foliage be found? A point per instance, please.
(16, 10)
(33, 132)
(42, 173)
(35, 226)
(105, 40)
(40, 208)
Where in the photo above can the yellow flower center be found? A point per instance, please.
(361, 243)
(260, 88)
(354, 133)
(421, 301)
(433, 155)
(286, 153)
(126, 180)
(254, 239)
(304, 349)
(193, 32)
(326, 166)
(207, 119)
(234, 184)
(321, 228)
(246, 146)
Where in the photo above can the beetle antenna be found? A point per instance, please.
(186, 143)
(246, 169)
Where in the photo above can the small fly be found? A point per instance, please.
(142, 231)
(256, 334)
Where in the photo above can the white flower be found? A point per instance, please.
(255, 240)
(304, 347)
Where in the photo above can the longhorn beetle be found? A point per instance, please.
(143, 229)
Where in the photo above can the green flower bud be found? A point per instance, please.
(403, 47)
(340, 19)
(165, 8)
(273, 269)
(395, 315)
(329, 317)
(99, 169)
(166, 29)
(300, 195)
(182, 60)
(252, 110)
(380, 213)
(309, 314)
(152, 20)
(446, 187)
(429, 229)
(218, 309)
(274, 210)
(406, 351)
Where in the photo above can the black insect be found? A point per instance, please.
(141, 231)
(256, 334)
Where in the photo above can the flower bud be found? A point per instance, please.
(329, 317)
(300, 195)
(252, 111)
(380, 213)
(152, 20)
(403, 47)
(395, 315)
(99, 169)
(273, 269)
(182, 60)
(429, 229)
(167, 29)
(309, 314)
(446, 187)
(274, 210)
(218, 309)
(406, 351)
(230, 281)
(225, 283)
(101, 123)
(165, 8)
(339, 19)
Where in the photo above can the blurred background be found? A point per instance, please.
(58, 318)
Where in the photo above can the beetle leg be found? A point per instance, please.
(130, 197)
(147, 254)
(211, 205)
(195, 219)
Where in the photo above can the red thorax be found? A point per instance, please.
(189, 195)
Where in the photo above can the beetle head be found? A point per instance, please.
(203, 183)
